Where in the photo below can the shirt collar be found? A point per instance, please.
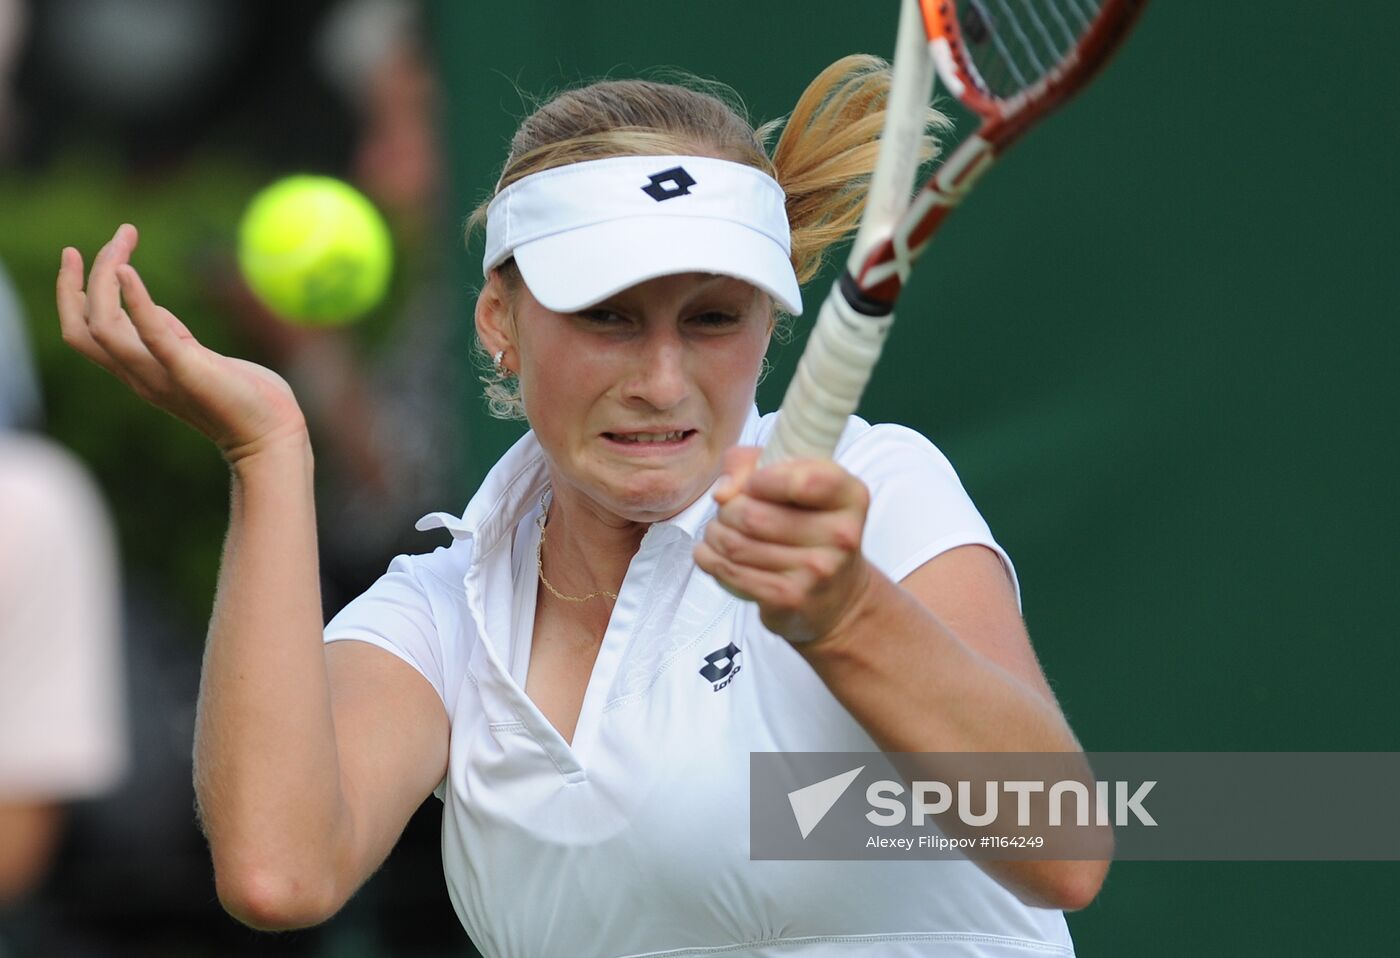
(513, 485)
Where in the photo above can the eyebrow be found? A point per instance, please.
(621, 299)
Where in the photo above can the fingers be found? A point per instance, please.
(782, 524)
(108, 325)
(757, 585)
(744, 550)
(72, 307)
(809, 484)
(788, 525)
(104, 312)
(793, 603)
(739, 464)
(95, 324)
(241, 406)
(803, 503)
(788, 536)
(161, 333)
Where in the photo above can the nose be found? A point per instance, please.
(659, 377)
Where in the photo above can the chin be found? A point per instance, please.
(652, 501)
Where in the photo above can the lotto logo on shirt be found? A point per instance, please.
(721, 666)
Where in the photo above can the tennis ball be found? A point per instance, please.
(314, 250)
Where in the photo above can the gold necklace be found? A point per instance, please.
(539, 564)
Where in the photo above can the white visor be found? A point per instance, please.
(583, 232)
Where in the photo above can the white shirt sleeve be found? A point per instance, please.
(396, 615)
(918, 507)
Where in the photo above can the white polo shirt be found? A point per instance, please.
(633, 840)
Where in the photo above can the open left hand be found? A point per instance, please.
(788, 537)
(243, 407)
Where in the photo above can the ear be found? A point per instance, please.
(495, 326)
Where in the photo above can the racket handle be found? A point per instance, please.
(831, 375)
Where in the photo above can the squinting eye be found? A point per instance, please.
(716, 318)
(602, 317)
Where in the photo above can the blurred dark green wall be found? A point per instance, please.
(1159, 346)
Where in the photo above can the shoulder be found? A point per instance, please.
(918, 506)
(418, 592)
(877, 453)
(416, 611)
(441, 569)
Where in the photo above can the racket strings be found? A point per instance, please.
(1013, 44)
(1050, 44)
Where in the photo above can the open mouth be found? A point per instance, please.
(672, 438)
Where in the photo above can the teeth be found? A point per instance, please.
(652, 436)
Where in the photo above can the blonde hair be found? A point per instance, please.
(823, 158)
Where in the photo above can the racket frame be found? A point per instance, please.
(857, 313)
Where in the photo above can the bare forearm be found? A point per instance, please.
(266, 766)
(915, 687)
(267, 773)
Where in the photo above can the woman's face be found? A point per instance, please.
(636, 399)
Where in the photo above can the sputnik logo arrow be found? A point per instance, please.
(810, 804)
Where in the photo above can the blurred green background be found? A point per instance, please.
(1154, 344)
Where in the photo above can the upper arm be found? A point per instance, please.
(390, 658)
(391, 733)
(970, 591)
(924, 531)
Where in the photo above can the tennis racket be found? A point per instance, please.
(1012, 62)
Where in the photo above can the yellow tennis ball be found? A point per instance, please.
(314, 250)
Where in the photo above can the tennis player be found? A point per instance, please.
(573, 675)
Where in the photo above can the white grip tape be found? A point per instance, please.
(826, 389)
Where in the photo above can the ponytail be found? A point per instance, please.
(827, 151)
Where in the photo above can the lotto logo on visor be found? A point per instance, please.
(679, 182)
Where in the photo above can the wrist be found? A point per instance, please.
(278, 453)
(850, 623)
